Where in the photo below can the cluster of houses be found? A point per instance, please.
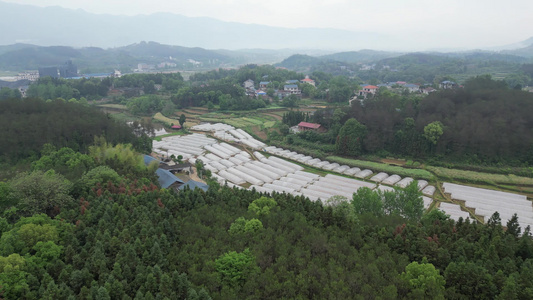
(289, 88)
(371, 90)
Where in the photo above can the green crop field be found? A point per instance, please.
(380, 167)
(478, 177)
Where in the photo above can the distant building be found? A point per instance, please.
(427, 90)
(29, 75)
(368, 90)
(412, 88)
(304, 126)
(263, 84)
(308, 81)
(292, 88)
(292, 81)
(68, 70)
(448, 85)
(48, 71)
(166, 179)
(167, 65)
(248, 84)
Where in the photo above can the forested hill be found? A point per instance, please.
(483, 122)
(361, 56)
(31, 57)
(28, 124)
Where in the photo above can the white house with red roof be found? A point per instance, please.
(308, 80)
(368, 89)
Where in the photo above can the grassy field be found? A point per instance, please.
(478, 177)
(180, 132)
(165, 120)
(114, 106)
(380, 167)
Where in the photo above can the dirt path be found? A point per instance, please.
(194, 175)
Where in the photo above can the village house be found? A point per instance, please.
(263, 84)
(304, 126)
(427, 90)
(308, 81)
(248, 84)
(291, 81)
(368, 90)
(412, 88)
(447, 84)
(292, 88)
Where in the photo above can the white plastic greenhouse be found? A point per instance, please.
(422, 184)
(295, 181)
(391, 179)
(269, 168)
(254, 174)
(427, 201)
(245, 176)
(330, 167)
(379, 177)
(363, 174)
(352, 171)
(273, 176)
(404, 182)
(261, 189)
(235, 161)
(279, 189)
(341, 169)
(454, 211)
(217, 152)
(258, 155)
(233, 150)
(350, 181)
(429, 190)
(226, 163)
(300, 177)
(293, 186)
(307, 174)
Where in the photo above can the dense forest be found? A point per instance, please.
(485, 121)
(30, 123)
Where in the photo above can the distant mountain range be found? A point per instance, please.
(59, 26)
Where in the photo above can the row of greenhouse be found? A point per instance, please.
(382, 177)
(487, 202)
(229, 133)
(236, 167)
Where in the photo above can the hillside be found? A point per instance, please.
(362, 56)
(30, 57)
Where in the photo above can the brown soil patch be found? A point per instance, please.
(261, 134)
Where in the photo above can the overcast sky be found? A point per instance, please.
(426, 23)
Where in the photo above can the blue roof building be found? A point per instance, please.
(193, 185)
(166, 179)
(148, 159)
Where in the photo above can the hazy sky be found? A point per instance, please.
(426, 23)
